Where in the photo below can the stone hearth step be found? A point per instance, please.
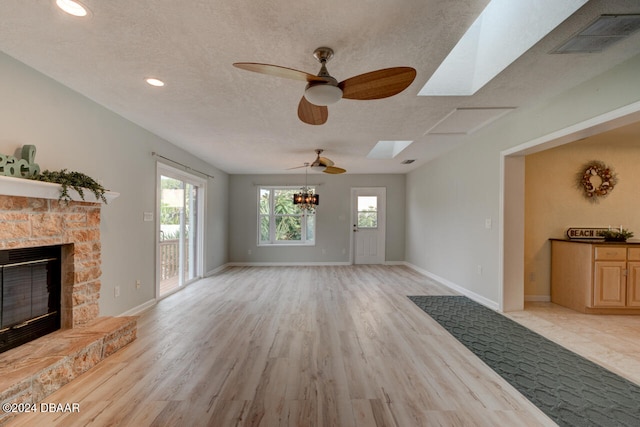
(33, 371)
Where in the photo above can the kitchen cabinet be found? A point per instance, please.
(596, 277)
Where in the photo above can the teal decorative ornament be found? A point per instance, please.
(20, 168)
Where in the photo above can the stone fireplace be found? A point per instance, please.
(33, 222)
(31, 216)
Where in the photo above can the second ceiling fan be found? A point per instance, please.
(323, 89)
(323, 163)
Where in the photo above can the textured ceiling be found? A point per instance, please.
(244, 122)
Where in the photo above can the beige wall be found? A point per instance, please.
(553, 201)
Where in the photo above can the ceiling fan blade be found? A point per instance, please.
(334, 170)
(278, 71)
(312, 114)
(297, 167)
(378, 84)
(326, 162)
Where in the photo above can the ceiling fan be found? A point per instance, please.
(323, 89)
(322, 163)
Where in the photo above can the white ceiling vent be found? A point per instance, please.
(601, 34)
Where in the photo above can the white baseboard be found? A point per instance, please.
(464, 291)
(135, 311)
(537, 298)
(284, 264)
(291, 264)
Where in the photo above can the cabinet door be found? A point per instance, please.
(633, 254)
(609, 285)
(633, 284)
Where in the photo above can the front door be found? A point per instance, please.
(368, 219)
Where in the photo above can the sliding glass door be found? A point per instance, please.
(179, 218)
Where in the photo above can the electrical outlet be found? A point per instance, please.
(116, 291)
(249, 252)
(487, 223)
(479, 270)
(138, 284)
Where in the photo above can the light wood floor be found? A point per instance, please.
(308, 346)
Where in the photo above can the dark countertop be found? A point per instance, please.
(595, 241)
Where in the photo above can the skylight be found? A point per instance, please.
(387, 149)
(503, 31)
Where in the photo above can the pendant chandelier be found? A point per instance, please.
(305, 199)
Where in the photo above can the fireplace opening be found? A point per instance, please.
(30, 287)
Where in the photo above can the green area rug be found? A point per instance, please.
(570, 389)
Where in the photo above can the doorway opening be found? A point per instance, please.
(180, 215)
(512, 237)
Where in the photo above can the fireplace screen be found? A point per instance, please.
(30, 282)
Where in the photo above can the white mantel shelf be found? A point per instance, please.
(10, 186)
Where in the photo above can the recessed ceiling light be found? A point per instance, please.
(155, 82)
(72, 7)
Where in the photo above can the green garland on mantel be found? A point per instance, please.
(76, 180)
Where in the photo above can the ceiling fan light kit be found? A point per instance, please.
(322, 94)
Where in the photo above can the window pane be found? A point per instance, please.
(264, 228)
(283, 202)
(367, 219)
(367, 203)
(288, 227)
(264, 201)
(311, 227)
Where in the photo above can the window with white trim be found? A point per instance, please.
(280, 222)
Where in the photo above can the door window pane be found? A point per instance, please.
(367, 212)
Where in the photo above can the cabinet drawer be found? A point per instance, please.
(633, 254)
(610, 253)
